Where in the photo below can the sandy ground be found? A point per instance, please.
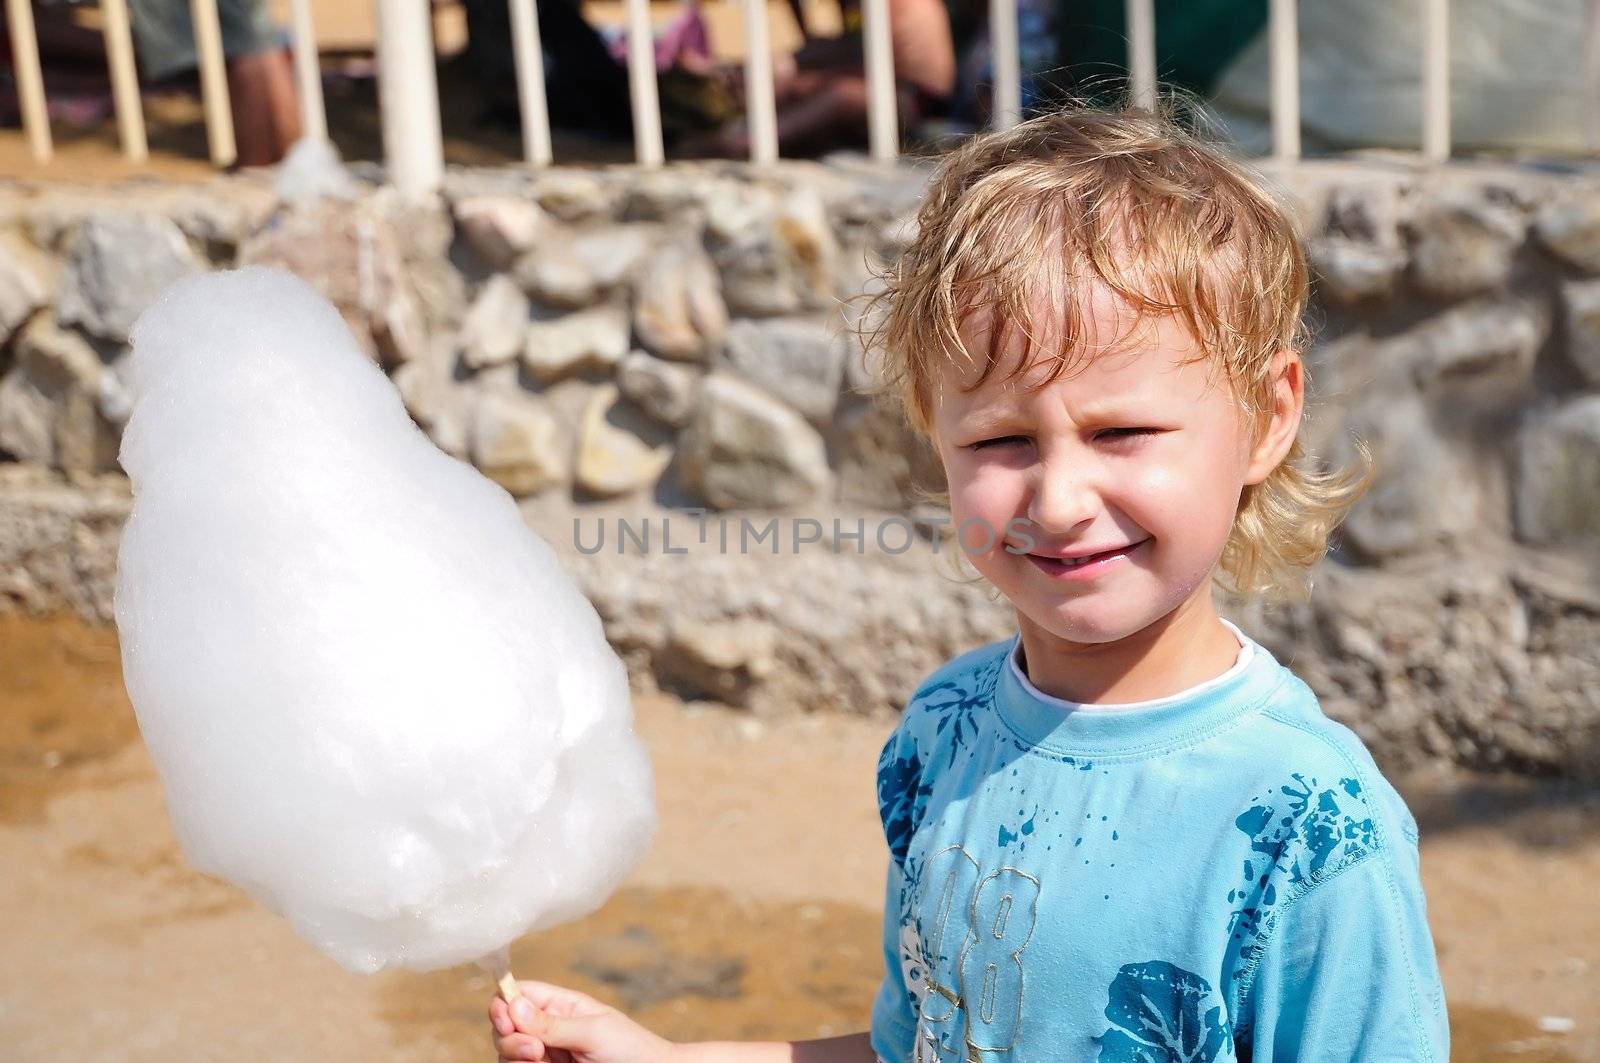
(755, 915)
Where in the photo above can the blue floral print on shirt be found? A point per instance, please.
(1163, 1014)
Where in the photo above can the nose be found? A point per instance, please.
(1064, 497)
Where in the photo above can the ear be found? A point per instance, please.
(1282, 421)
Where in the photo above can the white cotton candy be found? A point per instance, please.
(375, 700)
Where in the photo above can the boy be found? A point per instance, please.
(1126, 833)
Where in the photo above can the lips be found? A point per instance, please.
(1077, 558)
(1084, 565)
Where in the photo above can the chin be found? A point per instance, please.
(1091, 627)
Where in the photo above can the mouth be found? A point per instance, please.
(1086, 567)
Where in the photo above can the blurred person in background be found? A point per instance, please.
(260, 79)
(585, 88)
(821, 89)
(944, 67)
(261, 92)
(78, 90)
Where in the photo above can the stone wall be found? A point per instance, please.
(624, 346)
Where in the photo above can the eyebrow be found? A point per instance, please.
(1118, 410)
(1094, 413)
(984, 422)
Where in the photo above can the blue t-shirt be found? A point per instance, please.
(1220, 875)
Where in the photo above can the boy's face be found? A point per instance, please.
(1125, 472)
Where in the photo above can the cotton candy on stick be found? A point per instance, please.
(375, 700)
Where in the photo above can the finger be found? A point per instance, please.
(520, 1046)
(547, 997)
(571, 1006)
(527, 1018)
(578, 1033)
(500, 1017)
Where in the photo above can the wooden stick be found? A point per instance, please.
(509, 990)
(883, 120)
(124, 80)
(1284, 59)
(760, 104)
(30, 79)
(1142, 52)
(529, 54)
(213, 81)
(1005, 64)
(308, 73)
(647, 147)
(408, 92)
(1436, 80)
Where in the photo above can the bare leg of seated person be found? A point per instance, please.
(266, 116)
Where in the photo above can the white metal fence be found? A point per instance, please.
(410, 107)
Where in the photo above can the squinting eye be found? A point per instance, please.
(1125, 433)
(998, 441)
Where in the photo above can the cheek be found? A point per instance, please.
(988, 491)
(1183, 490)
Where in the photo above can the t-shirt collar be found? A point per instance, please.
(1065, 727)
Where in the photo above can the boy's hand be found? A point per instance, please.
(564, 1026)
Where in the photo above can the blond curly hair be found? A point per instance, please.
(1165, 220)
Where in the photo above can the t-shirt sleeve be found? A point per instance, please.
(1349, 972)
(901, 794)
(893, 1015)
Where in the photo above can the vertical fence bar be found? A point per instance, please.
(647, 147)
(1436, 80)
(124, 80)
(1591, 77)
(529, 53)
(308, 73)
(1284, 57)
(30, 79)
(1142, 52)
(213, 81)
(761, 109)
(883, 120)
(1005, 63)
(408, 95)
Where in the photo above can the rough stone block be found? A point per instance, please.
(595, 339)
(1580, 303)
(795, 359)
(723, 660)
(1488, 339)
(745, 448)
(678, 310)
(882, 461)
(499, 229)
(22, 290)
(50, 402)
(1557, 488)
(496, 327)
(1569, 228)
(662, 389)
(775, 257)
(1464, 244)
(619, 450)
(1425, 494)
(119, 261)
(519, 445)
